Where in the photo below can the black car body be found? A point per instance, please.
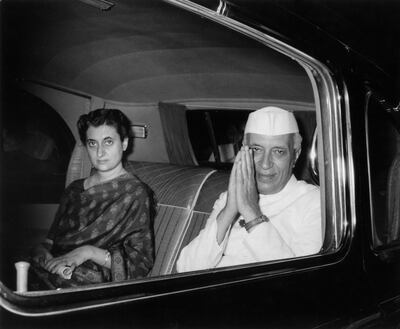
(353, 282)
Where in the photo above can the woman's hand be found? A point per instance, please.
(72, 259)
(41, 255)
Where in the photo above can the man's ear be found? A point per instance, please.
(125, 143)
(296, 154)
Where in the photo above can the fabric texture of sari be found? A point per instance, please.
(113, 215)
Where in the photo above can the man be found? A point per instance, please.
(266, 213)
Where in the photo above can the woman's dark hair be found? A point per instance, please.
(109, 117)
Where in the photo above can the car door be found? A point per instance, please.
(382, 123)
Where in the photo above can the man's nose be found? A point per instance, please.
(266, 161)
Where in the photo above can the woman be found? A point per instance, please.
(102, 230)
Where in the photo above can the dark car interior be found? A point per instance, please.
(183, 81)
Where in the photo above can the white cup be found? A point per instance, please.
(22, 276)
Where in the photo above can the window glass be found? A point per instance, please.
(216, 135)
(384, 174)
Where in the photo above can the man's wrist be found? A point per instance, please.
(251, 214)
(249, 225)
(229, 211)
(227, 215)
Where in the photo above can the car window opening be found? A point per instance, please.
(196, 137)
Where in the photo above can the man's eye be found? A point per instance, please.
(255, 148)
(108, 142)
(279, 152)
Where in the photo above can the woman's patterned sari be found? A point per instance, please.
(115, 216)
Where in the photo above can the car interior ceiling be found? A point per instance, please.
(170, 54)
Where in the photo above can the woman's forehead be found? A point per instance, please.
(101, 132)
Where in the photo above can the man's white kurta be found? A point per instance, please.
(294, 230)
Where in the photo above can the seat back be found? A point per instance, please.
(184, 198)
(176, 190)
(211, 190)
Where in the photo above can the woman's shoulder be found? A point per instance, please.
(132, 182)
(72, 190)
(130, 178)
(76, 185)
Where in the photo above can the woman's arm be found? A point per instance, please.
(78, 256)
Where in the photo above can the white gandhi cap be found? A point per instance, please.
(271, 121)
